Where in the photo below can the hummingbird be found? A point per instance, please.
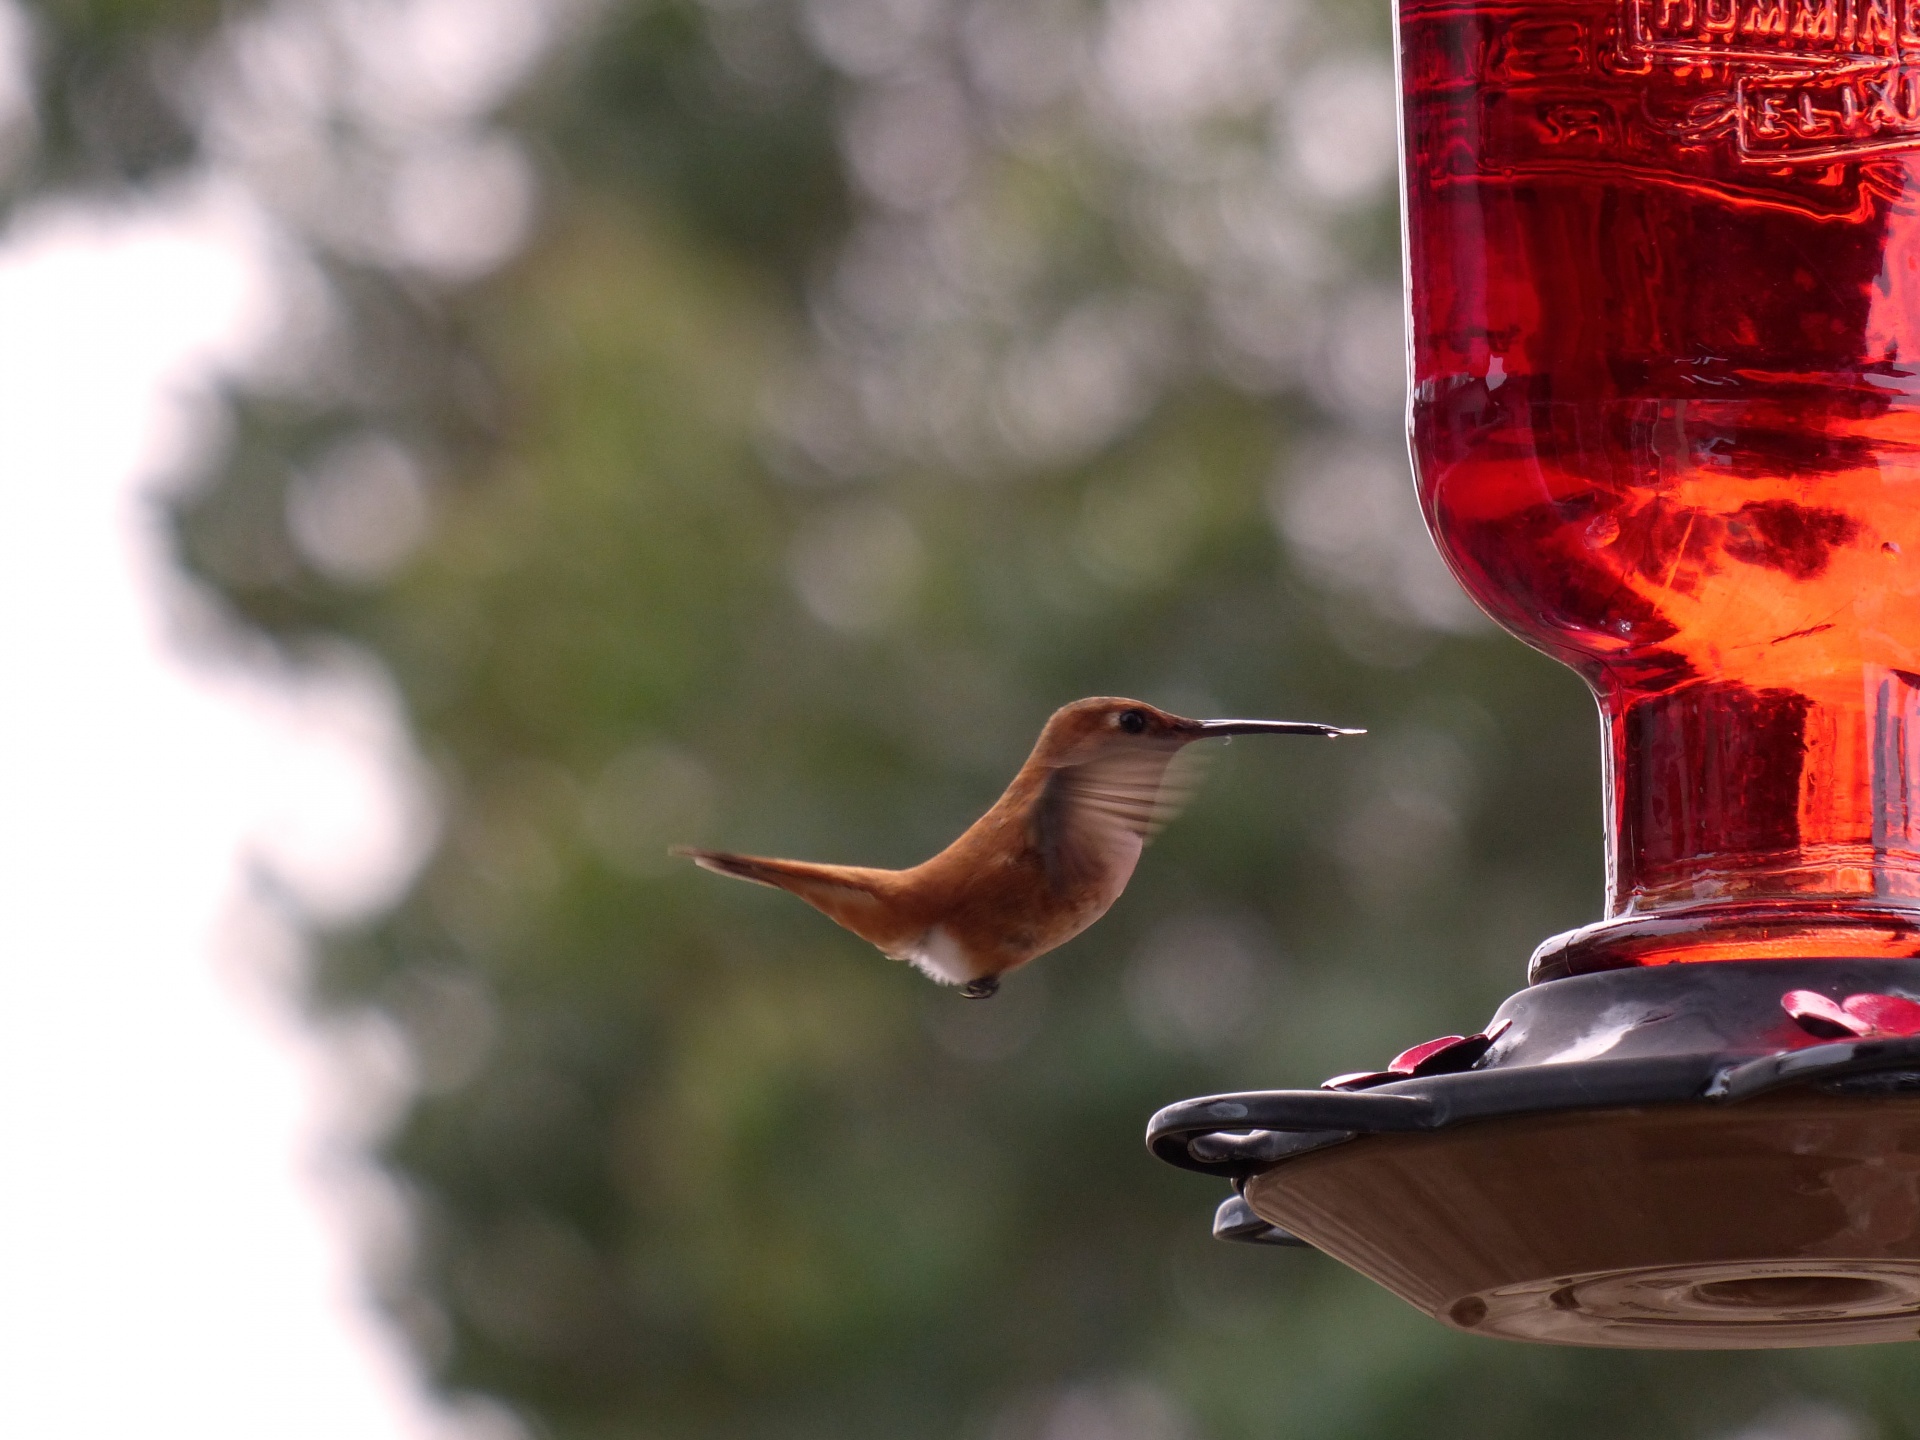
(1043, 864)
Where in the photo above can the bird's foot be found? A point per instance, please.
(982, 989)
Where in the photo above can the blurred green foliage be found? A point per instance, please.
(687, 1160)
(108, 73)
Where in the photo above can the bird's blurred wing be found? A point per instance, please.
(1095, 813)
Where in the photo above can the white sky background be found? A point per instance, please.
(188, 1222)
(175, 1252)
(180, 1195)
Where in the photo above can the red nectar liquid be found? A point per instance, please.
(1665, 273)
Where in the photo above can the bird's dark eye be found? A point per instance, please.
(1133, 721)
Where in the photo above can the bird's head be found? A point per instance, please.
(1103, 724)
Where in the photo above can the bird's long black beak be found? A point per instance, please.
(1211, 728)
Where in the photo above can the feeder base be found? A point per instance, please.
(1788, 1220)
(1655, 1158)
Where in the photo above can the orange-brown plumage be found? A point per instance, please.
(1043, 864)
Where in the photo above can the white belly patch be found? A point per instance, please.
(939, 956)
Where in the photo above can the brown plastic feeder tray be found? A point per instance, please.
(1656, 1159)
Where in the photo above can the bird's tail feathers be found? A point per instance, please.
(756, 868)
(844, 893)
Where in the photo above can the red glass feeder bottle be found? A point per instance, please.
(1664, 269)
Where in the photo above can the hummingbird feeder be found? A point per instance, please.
(1664, 270)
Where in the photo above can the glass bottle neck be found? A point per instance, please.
(1755, 823)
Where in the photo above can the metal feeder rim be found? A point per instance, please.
(1235, 1136)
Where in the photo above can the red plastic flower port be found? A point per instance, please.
(1445, 1056)
(1866, 1016)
